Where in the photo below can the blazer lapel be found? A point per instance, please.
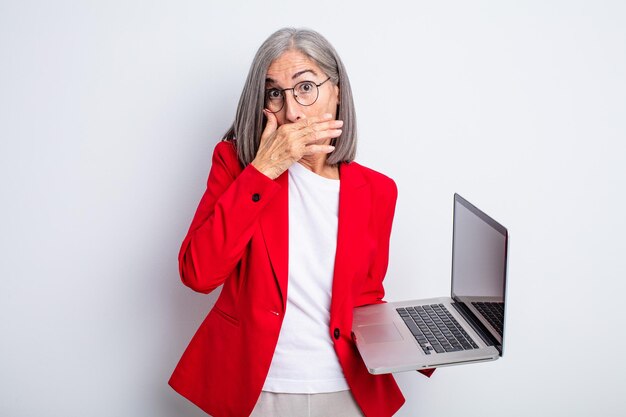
(354, 212)
(275, 227)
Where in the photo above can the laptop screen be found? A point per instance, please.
(479, 257)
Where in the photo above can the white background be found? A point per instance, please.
(109, 112)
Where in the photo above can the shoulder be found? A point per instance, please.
(226, 149)
(379, 182)
(225, 154)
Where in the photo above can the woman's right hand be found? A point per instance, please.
(281, 146)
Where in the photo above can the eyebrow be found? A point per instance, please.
(299, 73)
(293, 77)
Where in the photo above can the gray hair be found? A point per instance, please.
(250, 121)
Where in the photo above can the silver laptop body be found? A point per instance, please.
(421, 334)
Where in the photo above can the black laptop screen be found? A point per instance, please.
(479, 253)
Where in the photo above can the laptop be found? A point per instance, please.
(467, 327)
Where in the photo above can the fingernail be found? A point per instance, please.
(327, 115)
(331, 147)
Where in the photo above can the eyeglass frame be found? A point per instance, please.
(295, 96)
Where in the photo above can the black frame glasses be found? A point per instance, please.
(293, 89)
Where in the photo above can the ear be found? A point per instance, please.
(338, 95)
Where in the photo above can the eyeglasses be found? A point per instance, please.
(305, 93)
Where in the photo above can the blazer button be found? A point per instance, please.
(336, 334)
(256, 197)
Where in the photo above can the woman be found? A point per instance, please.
(298, 235)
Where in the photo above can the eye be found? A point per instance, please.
(273, 94)
(305, 87)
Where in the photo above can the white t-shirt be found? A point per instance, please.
(305, 360)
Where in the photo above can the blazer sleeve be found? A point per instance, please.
(225, 220)
(373, 290)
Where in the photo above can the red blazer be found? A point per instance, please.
(239, 238)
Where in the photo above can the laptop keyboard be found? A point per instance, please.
(493, 312)
(435, 329)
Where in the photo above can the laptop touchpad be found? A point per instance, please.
(378, 333)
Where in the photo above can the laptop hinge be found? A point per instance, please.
(477, 326)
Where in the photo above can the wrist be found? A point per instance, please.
(263, 168)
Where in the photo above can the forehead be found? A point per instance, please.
(290, 63)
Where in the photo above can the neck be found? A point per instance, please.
(317, 164)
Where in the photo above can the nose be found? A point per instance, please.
(293, 109)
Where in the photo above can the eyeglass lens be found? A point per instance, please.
(305, 93)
